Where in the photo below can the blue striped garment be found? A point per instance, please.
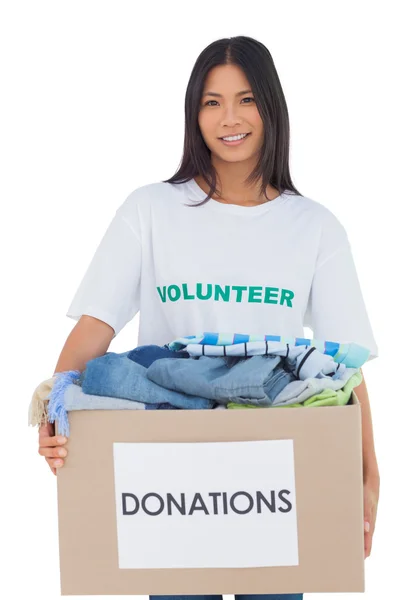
(239, 344)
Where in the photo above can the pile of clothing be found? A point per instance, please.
(206, 371)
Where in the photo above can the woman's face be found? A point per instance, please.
(230, 113)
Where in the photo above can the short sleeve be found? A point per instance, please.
(110, 288)
(336, 309)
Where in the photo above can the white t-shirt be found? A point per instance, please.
(266, 269)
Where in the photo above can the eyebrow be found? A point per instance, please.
(220, 95)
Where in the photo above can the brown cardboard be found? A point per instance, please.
(329, 498)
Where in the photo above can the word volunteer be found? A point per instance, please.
(226, 293)
(214, 503)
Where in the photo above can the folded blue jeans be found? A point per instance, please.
(237, 597)
(146, 355)
(302, 361)
(76, 399)
(117, 376)
(254, 380)
(163, 406)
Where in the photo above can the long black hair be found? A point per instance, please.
(256, 62)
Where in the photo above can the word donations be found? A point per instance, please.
(213, 503)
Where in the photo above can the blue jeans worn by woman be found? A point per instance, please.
(237, 597)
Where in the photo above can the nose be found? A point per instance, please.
(230, 117)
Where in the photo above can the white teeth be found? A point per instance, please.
(235, 137)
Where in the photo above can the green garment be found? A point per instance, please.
(234, 405)
(324, 398)
(338, 398)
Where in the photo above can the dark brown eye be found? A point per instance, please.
(247, 98)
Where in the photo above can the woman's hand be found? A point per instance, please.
(49, 446)
(371, 497)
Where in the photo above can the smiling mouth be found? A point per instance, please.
(247, 134)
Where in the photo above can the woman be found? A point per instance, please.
(227, 244)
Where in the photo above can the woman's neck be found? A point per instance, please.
(239, 194)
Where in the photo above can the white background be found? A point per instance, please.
(92, 106)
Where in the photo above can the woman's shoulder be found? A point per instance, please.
(148, 192)
(312, 207)
(146, 196)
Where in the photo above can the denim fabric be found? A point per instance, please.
(255, 380)
(237, 597)
(303, 361)
(146, 355)
(117, 376)
(162, 406)
(269, 596)
(76, 399)
(306, 361)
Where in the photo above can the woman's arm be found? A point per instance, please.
(89, 339)
(370, 468)
(370, 465)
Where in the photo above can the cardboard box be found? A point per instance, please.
(312, 525)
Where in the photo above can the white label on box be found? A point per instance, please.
(205, 504)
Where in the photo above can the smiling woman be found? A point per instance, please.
(236, 125)
(256, 257)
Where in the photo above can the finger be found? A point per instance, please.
(52, 452)
(55, 463)
(366, 536)
(367, 544)
(55, 440)
(371, 536)
(53, 469)
(46, 429)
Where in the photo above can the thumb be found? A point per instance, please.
(46, 429)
